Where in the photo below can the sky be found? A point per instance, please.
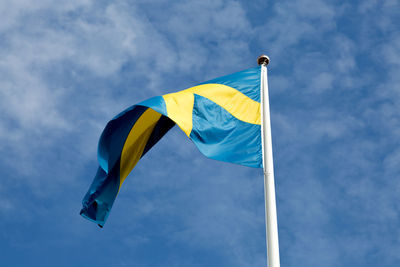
(68, 67)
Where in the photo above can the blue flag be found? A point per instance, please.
(222, 117)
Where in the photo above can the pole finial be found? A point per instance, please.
(263, 60)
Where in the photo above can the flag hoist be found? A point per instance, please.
(227, 118)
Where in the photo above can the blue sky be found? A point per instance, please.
(67, 68)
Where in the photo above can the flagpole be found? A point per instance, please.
(268, 165)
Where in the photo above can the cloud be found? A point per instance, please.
(69, 68)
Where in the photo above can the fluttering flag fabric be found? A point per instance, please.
(222, 117)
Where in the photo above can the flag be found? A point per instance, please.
(222, 117)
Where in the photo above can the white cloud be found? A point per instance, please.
(71, 39)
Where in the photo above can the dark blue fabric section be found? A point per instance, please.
(104, 189)
(114, 135)
(247, 82)
(163, 125)
(99, 199)
(219, 135)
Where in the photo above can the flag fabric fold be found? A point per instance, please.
(222, 117)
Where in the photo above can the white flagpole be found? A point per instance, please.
(269, 184)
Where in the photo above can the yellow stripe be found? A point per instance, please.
(136, 142)
(236, 103)
(180, 105)
(179, 109)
